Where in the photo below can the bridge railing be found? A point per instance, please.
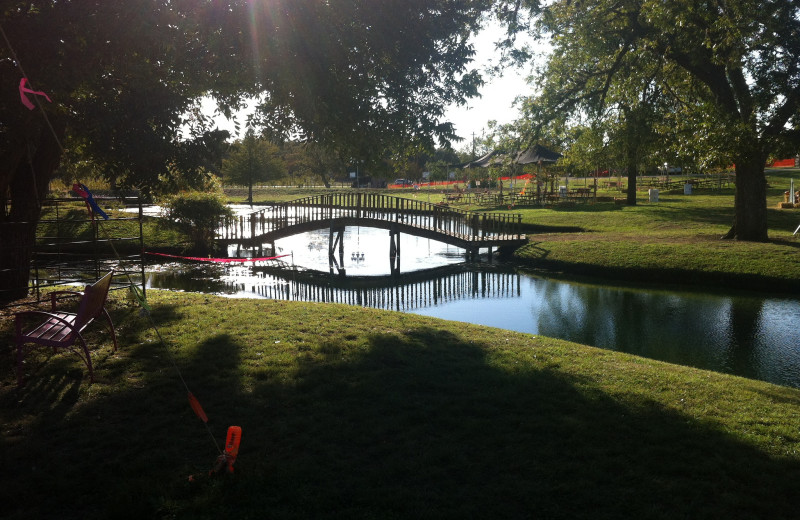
(376, 206)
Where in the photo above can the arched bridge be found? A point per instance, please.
(465, 229)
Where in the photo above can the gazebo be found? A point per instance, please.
(536, 154)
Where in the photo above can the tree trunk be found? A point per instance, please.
(325, 179)
(28, 184)
(634, 130)
(15, 257)
(632, 174)
(750, 221)
(633, 171)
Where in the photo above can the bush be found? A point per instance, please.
(199, 213)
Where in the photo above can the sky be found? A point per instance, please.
(497, 95)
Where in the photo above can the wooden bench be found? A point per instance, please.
(62, 330)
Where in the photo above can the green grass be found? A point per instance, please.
(70, 222)
(356, 413)
(677, 239)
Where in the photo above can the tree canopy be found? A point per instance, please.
(730, 71)
(356, 75)
(122, 76)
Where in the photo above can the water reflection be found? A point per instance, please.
(748, 335)
(366, 252)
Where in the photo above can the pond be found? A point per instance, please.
(750, 335)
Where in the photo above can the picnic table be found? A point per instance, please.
(580, 193)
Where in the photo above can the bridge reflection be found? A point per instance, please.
(415, 290)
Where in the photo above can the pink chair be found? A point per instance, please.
(61, 330)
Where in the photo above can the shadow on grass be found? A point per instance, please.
(777, 219)
(421, 424)
(578, 207)
(693, 213)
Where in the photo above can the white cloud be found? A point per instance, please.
(497, 95)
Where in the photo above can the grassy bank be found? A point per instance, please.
(356, 413)
(674, 240)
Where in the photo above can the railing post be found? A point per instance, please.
(141, 246)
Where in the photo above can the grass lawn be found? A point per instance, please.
(674, 240)
(350, 413)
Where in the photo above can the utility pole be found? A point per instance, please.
(473, 146)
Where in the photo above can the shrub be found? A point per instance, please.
(199, 213)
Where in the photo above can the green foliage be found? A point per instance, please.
(253, 160)
(376, 76)
(126, 78)
(588, 151)
(307, 162)
(175, 181)
(199, 213)
(723, 75)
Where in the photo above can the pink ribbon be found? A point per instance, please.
(218, 260)
(23, 90)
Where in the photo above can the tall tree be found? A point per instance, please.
(738, 60)
(119, 75)
(253, 160)
(346, 73)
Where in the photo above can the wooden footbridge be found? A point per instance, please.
(465, 229)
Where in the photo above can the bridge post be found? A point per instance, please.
(332, 263)
(394, 266)
(394, 242)
(333, 242)
(394, 249)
